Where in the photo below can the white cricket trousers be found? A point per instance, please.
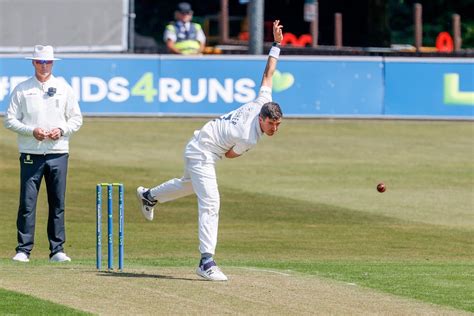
(199, 178)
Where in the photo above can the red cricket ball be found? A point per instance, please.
(381, 187)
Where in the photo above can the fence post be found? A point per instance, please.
(315, 26)
(457, 32)
(255, 14)
(418, 20)
(338, 30)
(224, 22)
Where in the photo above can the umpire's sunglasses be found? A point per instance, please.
(41, 62)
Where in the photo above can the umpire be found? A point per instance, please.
(44, 112)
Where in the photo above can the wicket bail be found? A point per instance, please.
(110, 244)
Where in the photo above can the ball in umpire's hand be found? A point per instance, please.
(381, 187)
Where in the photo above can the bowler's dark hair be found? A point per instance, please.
(271, 110)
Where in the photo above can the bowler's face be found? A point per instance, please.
(269, 126)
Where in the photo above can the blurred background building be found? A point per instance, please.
(366, 23)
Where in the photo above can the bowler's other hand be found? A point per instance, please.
(40, 134)
(277, 31)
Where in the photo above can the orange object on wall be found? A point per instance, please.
(444, 42)
(291, 39)
(305, 40)
(288, 39)
(244, 36)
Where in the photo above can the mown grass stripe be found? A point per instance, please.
(14, 303)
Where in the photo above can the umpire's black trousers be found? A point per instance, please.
(53, 167)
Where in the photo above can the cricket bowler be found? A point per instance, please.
(229, 136)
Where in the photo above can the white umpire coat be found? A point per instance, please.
(31, 107)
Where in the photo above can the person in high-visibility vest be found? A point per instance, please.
(182, 36)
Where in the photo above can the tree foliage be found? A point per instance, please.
(437, 17)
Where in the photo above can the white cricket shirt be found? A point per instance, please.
(30, 107)
(238, 130)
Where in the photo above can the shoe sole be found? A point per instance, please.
(140, 204)
(205, 276)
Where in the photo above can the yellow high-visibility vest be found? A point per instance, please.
(186, 41)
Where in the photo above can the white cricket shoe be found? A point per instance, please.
(147, 206)
(60, 257)
(210, 271)
(21, 257)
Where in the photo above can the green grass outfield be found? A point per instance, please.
(304, 200)
(13, 303)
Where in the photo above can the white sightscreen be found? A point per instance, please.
(68, 25)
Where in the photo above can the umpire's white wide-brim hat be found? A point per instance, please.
(43, 53)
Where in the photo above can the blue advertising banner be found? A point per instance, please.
(161, 85)
(331, 86)
(312, 86)
(429, 87)
(108, 85)
(211, 85)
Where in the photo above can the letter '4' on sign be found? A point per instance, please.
(144, 87)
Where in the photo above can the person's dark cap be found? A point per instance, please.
(184, 7)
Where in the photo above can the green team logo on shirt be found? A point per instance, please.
(282, 81)
(28, 160)
(452, 94)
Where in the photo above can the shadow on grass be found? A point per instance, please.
(144, 275)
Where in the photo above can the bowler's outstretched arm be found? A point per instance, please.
(272, 60)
